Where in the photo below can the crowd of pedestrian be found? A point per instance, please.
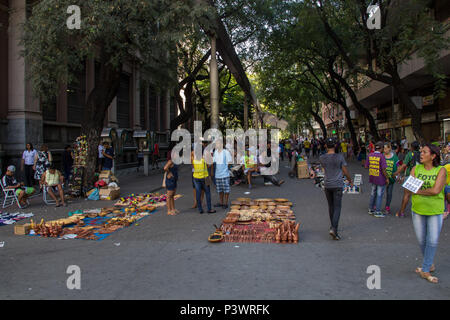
(388, 163)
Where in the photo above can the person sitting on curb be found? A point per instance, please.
(53, 180)
(22, 192)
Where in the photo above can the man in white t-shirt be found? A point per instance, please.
(221, 160)
(405, 145)
(101, 157)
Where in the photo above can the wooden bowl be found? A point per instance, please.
(244, 199)
(281, 200)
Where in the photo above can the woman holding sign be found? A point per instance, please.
(428, 207)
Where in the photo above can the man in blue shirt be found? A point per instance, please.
(221, 159)
(108, 153)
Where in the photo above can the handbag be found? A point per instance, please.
(208, 178)
(164, 180)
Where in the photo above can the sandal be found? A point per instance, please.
(432, 269)
(400, 214)
(171, 213)
(429, 277)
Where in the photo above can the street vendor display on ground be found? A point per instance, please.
(155, 199)
(97, 224)
(94, 224)
(259, 220)
(12, 218)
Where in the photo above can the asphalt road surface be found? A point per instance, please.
(169, 257)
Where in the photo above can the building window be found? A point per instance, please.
(123, 102)
(49, 109)
(153, 108)
(142, 107)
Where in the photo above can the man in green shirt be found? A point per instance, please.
(411, 159)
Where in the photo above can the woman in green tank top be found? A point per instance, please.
(428, 207)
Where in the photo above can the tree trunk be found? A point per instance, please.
(361, 109)
(187, 111)
(97, 105)
(405, 99)
(320, 122)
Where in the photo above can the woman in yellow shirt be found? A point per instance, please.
(201, 179)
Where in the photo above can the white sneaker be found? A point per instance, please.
(268, 183)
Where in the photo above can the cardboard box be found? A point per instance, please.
(22, 229)
(105, 174)
(109, 193)
(302, 170)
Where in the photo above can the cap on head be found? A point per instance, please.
(379, 145)
(11, 168)
(331, 142)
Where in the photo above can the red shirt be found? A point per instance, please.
(156, 149)
(371, 148)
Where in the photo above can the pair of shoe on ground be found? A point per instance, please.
(334, 234)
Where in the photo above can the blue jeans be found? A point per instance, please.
(199, 185)
(376, 197)
(389, 190)
(427, 230)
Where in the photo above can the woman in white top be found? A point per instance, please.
(27, 164)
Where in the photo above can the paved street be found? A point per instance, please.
(169, 257)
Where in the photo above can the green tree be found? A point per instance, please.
(408, 28)
(142, 32)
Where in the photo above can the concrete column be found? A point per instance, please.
(158, 113)
(167, 110)
(24, 115)
(214, 83)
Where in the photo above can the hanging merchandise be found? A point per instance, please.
(80, 149)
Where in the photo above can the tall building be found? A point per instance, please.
(24, 119)
(392, 118)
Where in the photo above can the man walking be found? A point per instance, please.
(335, 167)
(221, 159)
(376, 162)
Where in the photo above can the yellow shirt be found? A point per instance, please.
(344, 147)
(52, 179)
(447, 167)
(200, 169)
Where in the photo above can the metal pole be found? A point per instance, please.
(245, 113)
(214, 83)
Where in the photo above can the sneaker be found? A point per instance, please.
(371, 212)
(268, 183)
(387, 210)
(379, 215)
(334, 235)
